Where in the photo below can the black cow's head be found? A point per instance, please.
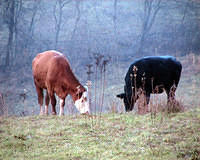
(128, 101)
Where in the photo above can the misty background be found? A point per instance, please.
(118, 30)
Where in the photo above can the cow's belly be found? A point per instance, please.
(158, 89)
(40, 81)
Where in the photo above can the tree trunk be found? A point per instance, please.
(151, 8)
(10, 23)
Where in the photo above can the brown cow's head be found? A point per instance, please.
(82, 103)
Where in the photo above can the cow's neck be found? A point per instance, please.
(74, 92)
(73, 87)
(72, 84)
(71, 80)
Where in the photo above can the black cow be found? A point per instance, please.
(152, 74)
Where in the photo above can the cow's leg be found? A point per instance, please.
(171, 98)
(46, 103)
(53, 103)
(62, 104)
(147, 102)
(143, 106)
(140, 96)
(171, 94)
(40, 98)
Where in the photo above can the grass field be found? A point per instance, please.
(108, 135)
(111, 136)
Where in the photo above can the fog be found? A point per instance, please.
(120, 29)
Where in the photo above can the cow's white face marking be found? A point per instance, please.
(82, 104)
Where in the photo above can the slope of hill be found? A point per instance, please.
(109, 136)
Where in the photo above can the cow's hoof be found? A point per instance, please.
(86, 113)
(41, 114)
(142, 112)
(53, 113)
(61, 114)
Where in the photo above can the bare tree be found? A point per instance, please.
(189, 24)
(115, 16)
(9, 14)
(151, 9)
(77, 4)
(34, 11)
(18, 9)
(58, 14)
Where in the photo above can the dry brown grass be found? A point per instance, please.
(190, 63)
(174, 107)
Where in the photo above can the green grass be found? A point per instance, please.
(114, 136)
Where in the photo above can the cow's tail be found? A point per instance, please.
(178, 73)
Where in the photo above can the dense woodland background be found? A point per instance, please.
(117, 30)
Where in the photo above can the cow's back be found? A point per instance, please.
(158, 66)
(42, 66)
(156, 70)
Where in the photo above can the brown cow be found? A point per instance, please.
(51, 71)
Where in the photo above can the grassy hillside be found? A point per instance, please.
(113, 136)
(109, 136)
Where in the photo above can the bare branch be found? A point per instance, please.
(77, 18)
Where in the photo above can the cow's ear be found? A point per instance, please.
(79, 91)
(122, 95)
